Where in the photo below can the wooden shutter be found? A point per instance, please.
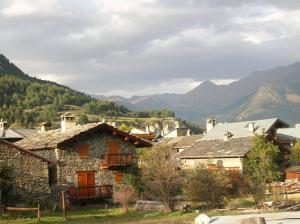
(113, 147)
(83, 150)
(118, 177)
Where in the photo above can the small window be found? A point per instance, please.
(83, 151)
(118, 177)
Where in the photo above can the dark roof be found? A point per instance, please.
(26, 151)
(233, 147)
(55, 138)
(293, 169)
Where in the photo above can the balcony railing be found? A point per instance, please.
(90, 192)
(116, 160)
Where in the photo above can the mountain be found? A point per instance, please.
(270, 93)
(28, 101)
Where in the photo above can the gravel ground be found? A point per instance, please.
(271, 218)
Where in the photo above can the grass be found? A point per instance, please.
(86, 215)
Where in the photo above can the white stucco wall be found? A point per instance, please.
(227, 162)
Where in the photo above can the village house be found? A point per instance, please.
(227, 144)
(288, 138)
(13, 134)
(29, 171)
(90, 159)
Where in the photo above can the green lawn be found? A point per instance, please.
(97, 215)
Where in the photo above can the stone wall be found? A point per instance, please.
(30, 174)
(69, 161)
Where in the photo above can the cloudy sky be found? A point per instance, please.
(132, 47)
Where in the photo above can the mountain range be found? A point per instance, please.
(263, 94)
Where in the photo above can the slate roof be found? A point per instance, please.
(10, 134)
(183, 141)
(234, 147)
(288, 133)
(241, 129)
(17, 133)
(54, 138)
(25, 151)
(293, 169)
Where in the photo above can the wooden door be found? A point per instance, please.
(114, 153)
(91, 183)
(86, 184)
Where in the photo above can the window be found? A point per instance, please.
(83, 150)
(113, 147)
(118, 177)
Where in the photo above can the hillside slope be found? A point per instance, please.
(270, 93)
(27, 101)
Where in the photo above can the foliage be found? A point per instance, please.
(125, 127)
(196, 129)
(158, 113)
(208, 186)
(103, 107)
(134, 179)
(261, 166)
(6, 178)
(295, 157)
(83, 119)
(29, 102)
(124, 195)
(161, 179)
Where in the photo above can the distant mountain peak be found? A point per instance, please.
(207, 83)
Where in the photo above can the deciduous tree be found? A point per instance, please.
(159, 174)
(208, 186)
(261, 166)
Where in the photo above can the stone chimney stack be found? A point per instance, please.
(210, 123)
(251, 127)
(68, 121)
(3, 125)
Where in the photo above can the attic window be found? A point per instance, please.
(83, 151)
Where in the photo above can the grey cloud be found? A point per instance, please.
(98, 47)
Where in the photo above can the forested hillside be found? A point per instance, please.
(27, 101)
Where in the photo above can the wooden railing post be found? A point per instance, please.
(63, 205)
(38, 213)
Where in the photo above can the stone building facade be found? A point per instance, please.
(29, 171)
(90, 159)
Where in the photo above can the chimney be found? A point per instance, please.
(45, 126)
(210, 123)
(227, 135)
(68, 121)
(251, 127)
(3, 125)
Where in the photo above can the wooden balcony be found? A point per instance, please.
(110, 161)
(89, 192)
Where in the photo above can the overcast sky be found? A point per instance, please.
(132, 47)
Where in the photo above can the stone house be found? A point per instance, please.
(29, 170)
(211, 153)
(90, 159)
(13, 134)
(228, 143)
